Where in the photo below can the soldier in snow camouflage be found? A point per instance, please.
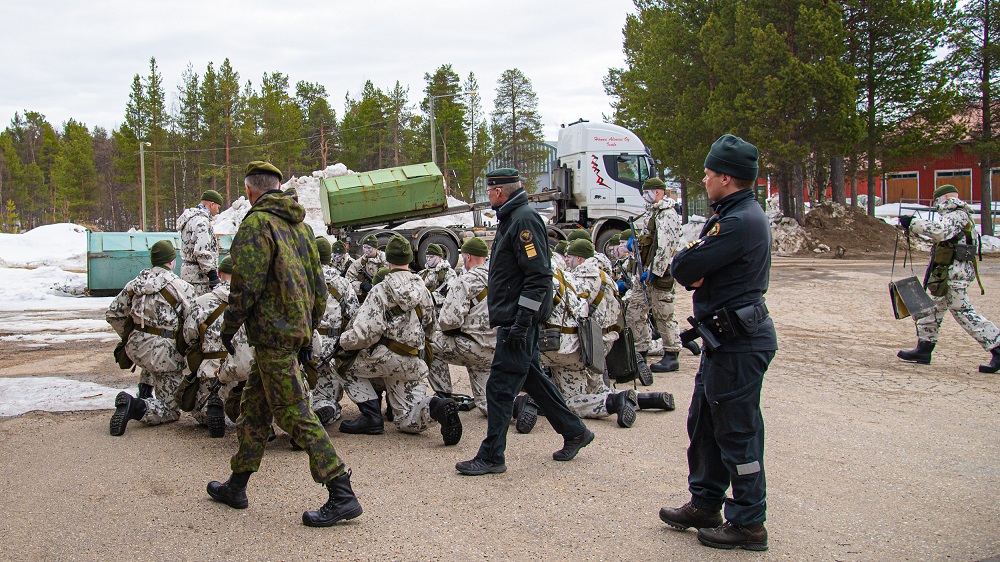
(155, 302)
(390, 330)
(659, 242)
(341, 260)
(363, 270)
(279, 293)
(199, 247)
(437, 271)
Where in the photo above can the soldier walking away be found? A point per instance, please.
(199, 247)
(279, 294)
(728, 267)
(391, 331)
(658, 243)
(520, 298)
(952, 268)
(148, 314)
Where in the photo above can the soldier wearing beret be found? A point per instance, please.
(728, 268)
(279, 294)
(520, 298)
(341, 260)
(362, 272)
(948, 277)
(558, 260)
(199, 247)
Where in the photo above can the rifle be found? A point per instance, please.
(637, 258)
(625, 277)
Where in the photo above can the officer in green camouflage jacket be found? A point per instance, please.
(279, 294)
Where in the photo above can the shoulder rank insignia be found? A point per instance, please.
(529, 250)
(694, 243)
(525, 236)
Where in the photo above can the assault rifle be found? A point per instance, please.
(637, 265)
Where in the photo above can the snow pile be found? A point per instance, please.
(63, 245)
(53, 394)
(228, 221)
(691, 230)
(991, 244)
(787, 237)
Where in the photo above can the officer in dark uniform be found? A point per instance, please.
(728, 268)
(520, 298)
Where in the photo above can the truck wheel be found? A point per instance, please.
(446, 242)
(602, 240)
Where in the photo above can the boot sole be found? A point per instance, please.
(527, 419)
(353, 514)
(754, 546)
(222, 499)
(372, 431)
(451, 429)
(626, 417)
(645, 375)
(119, 419)
(216, 421)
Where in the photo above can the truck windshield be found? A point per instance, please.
(630, 169)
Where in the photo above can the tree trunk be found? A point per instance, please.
(685, 211)
(986, 196)
(853, 170)
(871, 184)
(837, 180)
(798, 187)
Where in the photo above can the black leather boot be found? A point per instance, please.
(655, 401)
(920, 354)
(368, 423)
(232, 492)
(668, 364)
(445, 412)
(624, 404)
(145, 391)
(328, 414)
(343, 504)
(994, 364)
(645, 375)
(215, 415)
(527, 413)
(127, 408)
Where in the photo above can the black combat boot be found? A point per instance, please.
(445, 412)
(368, 423)
(689, 515)
(668, 364)
(693, 347)
(572, 446)
(145, 391)
(623, 404)
(645, 375)
(730, 535)
(343, 504)
(527, 413)
(232, 492)
(994, 364)
(920, 354)
(215, 415)
(327, 414)
(126, 408)
(655, 401)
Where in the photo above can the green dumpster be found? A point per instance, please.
(381, 196)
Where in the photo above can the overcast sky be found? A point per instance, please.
(77, 59)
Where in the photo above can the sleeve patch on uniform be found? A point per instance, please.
(714, 231)
(529, 250)
(525, 236)
(694, 243)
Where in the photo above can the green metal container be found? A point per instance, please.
(115, 258)
(381, 196)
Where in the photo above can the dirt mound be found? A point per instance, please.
(840, 231)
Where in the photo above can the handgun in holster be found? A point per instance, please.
(699, 330)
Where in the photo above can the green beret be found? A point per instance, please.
(339, 247)
(398, 251)
(162, 252)
(561, 247)
(380, 275)
(212, 195)
(944, 190)
(501, 176)
(579, 234)
(580, 247)
(615, 240)
(475, 246)
(733, 156)
(324, 249)
(626, 234)
(435, 250)
(653, 183)
(259, 167)
(226, 265)
(371, 240)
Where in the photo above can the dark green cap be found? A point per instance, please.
(398, 252)
(226, 265)
(324, 249)
(581, 247)
(733, 156)
(579, 234)
(435, 250)
(944, 190)
(259, 167)
(615, 240)
(339, 247)
(162, 252)
(626, 234)
(501, 176)
(561, 247)
(380, 275)
(212, 195)
(475, 246)
(371, 240)
(653, 183)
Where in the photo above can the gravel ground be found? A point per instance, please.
(868, 458)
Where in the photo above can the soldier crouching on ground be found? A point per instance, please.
(465, 336)
(390, 331)
(148, 313)
(340, 261)
(279, 294)
(362, 272)
(199, 247)
(952, 269)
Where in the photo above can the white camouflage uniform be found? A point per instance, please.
(437, 276)
(370, 265)
(162, 365)
(636, 307)
(341, 305)
(199, 247)
(955, 215)
(465, 310)
(668, 237)
(389, 317)
(557, 262)
(342, 264)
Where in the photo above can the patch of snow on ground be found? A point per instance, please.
(46, 288)
(63, 245)
(53, 394)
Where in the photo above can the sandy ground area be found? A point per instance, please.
(868, 458)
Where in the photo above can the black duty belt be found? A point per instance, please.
(740, 322)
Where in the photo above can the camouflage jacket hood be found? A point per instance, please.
(400, 290)
(152, 280)
(952, 204)
(284, 205)
(191, 213)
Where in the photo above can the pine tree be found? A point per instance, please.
(516, 126)
(75, 174)
(450, 121)
(480, 145)
(320, 123)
